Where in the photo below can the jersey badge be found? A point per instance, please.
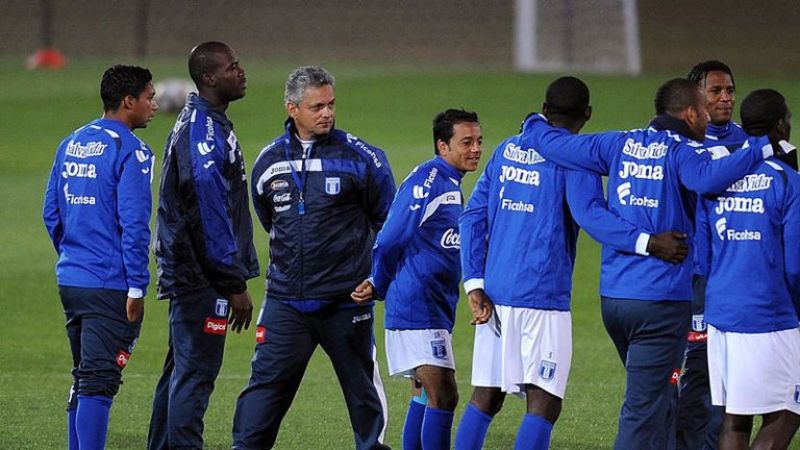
(221, 308)
(438, 349)
(547, 369)
(333, 185)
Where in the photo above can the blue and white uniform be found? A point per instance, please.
(753, 233)
(97, 212)
(416, 268)
(652, 173)
(519, 236)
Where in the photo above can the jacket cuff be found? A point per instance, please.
(641, 244)
(472, 284)
(136, 293)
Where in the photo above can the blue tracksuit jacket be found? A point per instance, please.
(97, 208)
(415, 261)
(753, 232)
(519, 231)
(651, 173)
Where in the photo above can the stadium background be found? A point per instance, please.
(397, 64)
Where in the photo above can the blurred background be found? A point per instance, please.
(752, 37)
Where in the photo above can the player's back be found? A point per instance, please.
(746, 227)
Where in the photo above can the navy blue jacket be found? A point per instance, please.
(320, 248)
(97, 208)
(204, 233)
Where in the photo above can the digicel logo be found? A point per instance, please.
(122, 358)
(261, 334)
(215, 326)
(676, 375)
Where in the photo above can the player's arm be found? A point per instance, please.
(258, 191)
(211, 230)
(134, 208)
(590, 210)
(402, 221)
(474, 230)
(50, 211)
(704, 175)
(380, 189)
(585, 152)
(702, 239)
(791, 238)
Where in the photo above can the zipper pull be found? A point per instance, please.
(301, 205)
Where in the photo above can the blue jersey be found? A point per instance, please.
(753, 233)
(97, 208)
(651, 173)
(519, 231)
(720, 141)
(415, 262)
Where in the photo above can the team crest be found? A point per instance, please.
(333, 185)
(221, 308)
(547, 369)
(797, 393)
(698, 322)
(438, 349)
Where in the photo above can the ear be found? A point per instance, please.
(587, 114)
(127, 102)
(544, 109)
(690, 115)
(209, 79)
(442, 146)
(291, 109)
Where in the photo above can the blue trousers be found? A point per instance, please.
(699, 423)
(197, 328)
(100, 337)
(286, 340)
(650, 337)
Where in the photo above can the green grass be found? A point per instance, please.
(391, 108)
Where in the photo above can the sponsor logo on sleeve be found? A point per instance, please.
(333, 185)
(279, 185)
(419, 192)
(122, 358)
(204, 148)
(221, 308)
(438, 349)
(261, 334)
(282, 198)
(365, 148)
(215, 326)
(141, 155)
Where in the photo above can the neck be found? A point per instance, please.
(119, 117)
(213, 97)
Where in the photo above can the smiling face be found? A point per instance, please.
(314, 115)
(463, 151)
(720, 96)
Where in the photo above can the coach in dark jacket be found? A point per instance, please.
(322, 195)
(204, 247)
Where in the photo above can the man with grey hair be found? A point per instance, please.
(322, 194)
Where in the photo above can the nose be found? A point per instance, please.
(725, 96)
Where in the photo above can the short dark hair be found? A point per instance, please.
(120, 81)
(761, 111)
(676, 95)
(568, 96)
(444, 121)
(201, 61)
(700, 71)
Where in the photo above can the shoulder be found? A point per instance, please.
(272, 151)
(370, 153)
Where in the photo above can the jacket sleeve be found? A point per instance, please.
(474, 229)
(589, 208)
(791, 238)
(702, 240)
(50, 211)
(380, 189)
(134, 207)
(260, 204)
(704, 175)
(585, 152)
(401, 223)
(211, 227)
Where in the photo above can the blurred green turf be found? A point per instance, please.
(389, 107)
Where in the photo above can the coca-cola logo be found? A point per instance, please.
(451, 239)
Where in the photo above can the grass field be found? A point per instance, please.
(391, 108)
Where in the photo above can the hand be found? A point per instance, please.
(363, 292)
(134, 308)
(669, 246)
(481, 307)
(241, 311)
